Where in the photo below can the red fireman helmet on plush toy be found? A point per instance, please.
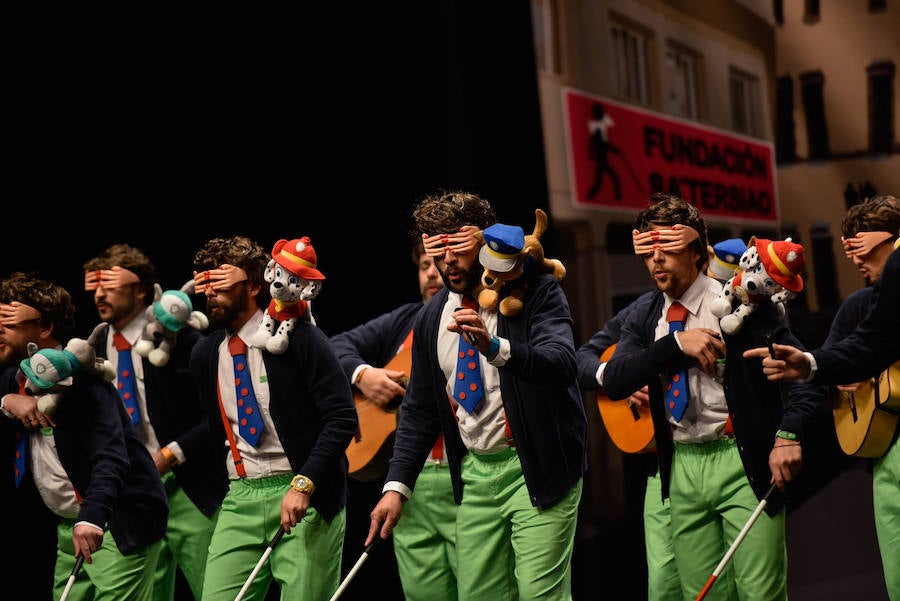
(298, 257)
(783, 261)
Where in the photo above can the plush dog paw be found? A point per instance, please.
(277, 344)
(731, 324)
(158, 357)
(720, 307)
(488, 300)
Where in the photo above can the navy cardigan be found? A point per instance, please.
(310, 403)
(756, 405)
(539, 389)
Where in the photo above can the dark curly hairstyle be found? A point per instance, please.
(130, 258)
(669, 209)
(53, 301)
(875, 214)
(239, 251)
(444, 212)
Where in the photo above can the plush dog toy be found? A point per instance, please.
(293, 282)
(508, 256)
(49, 371)
(171, 311)
(767, 271)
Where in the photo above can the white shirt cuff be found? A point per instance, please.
(397, 486)
(813, 366)
(503, 354)
(176, 450)
(677, 341)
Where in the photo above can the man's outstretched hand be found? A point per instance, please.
(788, 363)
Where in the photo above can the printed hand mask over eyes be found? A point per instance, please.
(222, 278)
(459, 243)
(15, 313)
(114, 277)
(670, 240)
(863, 243)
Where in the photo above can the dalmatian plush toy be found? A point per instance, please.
(293, 282)
(49, 371)
(767, 271)
(169, 313)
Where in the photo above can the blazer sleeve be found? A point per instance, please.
(376, 341)
(639, 359)
(588, 354)
(874, 344)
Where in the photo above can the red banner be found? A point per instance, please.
(620, 154)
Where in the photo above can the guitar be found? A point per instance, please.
(866, 420)
(376, 424)
(630, 427)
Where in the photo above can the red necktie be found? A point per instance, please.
(468, 389)
(125, 371)
(250, 423)
(676, 383)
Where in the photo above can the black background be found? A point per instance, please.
(163, 131)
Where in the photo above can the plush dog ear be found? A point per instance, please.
(269, 273)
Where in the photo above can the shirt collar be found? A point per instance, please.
(692, 297)
(250, 327)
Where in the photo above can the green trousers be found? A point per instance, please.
(662, 575)
(185, 545)
(425, 538)
(305, 563)
(111, 576)
(711, 502)
(886, 504)
(507, 548)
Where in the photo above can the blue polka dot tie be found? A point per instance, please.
(676, 383)
(21, 449)
(250, 423)
(126, 382)
(468, 389)
(21, 445)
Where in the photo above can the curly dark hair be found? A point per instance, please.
(444, 212)
(239, 251)
(875, 214)
(669, 209)
(131, 258)
(52, 300)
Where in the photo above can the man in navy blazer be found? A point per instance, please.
(91, 467)
(731, 427)
(518, 457)
(170, 421)
(868, 350)
(290, 473)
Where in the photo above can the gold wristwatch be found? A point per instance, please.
(303, 484)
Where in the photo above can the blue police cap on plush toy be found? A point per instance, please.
(502, 247)
(724, 258)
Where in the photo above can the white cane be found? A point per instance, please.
(78, 561)
(354, 570)
(734, 545)
(259, 564)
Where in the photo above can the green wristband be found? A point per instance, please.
(786, 435)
